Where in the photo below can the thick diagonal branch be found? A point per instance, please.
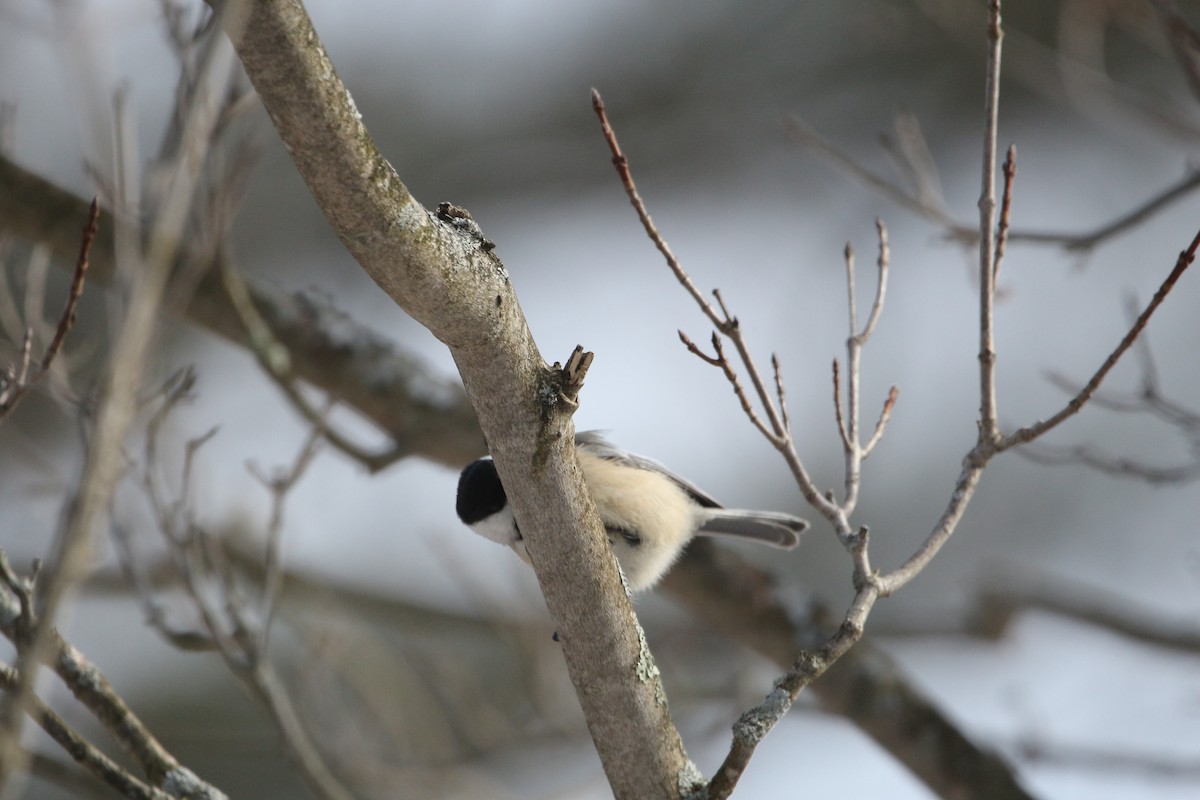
(451, 283)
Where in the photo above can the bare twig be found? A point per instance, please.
(94, 691)
(17, 383)
(1031, 432)
(855, 451)
(276, 361)
(1010, 173)
(208, 579)
(837, 407)
(781, 394)
(279, 485)
(881, 425)
(1113, 465)
(622, 165)
(1149, 400)
(404, 397)
(1077, 242)
(988, 431)
(757, 722)
(86, 754)
(1001, 601)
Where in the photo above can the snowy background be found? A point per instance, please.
(486, 105)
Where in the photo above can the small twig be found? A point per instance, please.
(882, 263)
(806, 135)
(725, 322)
(1031, 432)
(848, 426)
(18, 383)
(773, 436)
(208, 579)
(86, 754)
(1010, 172)
(91, 688)
(276, 361)
(1000, 602)
(988, 430)
(780, 394)
(837, 407)
(1115, 466)
(1147, 400)
(154, 612)
(279, 486)
(884, 416)
(851, 290)
(622, 165)
(968, 235)
(757, 722)
(695, 350)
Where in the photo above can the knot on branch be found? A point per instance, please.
(461, 220)
(563, 384)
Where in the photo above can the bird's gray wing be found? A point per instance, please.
(595, 443)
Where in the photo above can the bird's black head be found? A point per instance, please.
(479, 492)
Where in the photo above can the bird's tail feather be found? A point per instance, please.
(768, 527)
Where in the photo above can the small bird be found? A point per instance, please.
(649, 512)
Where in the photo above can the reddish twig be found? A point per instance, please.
(21, 380)
(67, 320)
(884, 416)
(1010, 172)
(622, 165)
(1031, 432)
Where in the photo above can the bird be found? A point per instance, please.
(649, 512)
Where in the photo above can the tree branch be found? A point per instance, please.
(452, 283)
(424, 413)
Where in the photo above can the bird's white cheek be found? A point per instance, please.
(499, 527)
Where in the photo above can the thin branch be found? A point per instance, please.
(1010, 172)
(988, 431)
(855, 451)
(806, 135)
(91, 688)
(279, 485)
(208, 579)
(1001, 601)
(884, 416)
(882, 263)
(780, 394)
(695, 350)
(868, 687)
(18, 383)
(774, 436)
(1079, 242)
(1031, 432)
(757, 722)
(837, 408)
(1112, 465)
(276, 361)
(86, 754)
(622, 165)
